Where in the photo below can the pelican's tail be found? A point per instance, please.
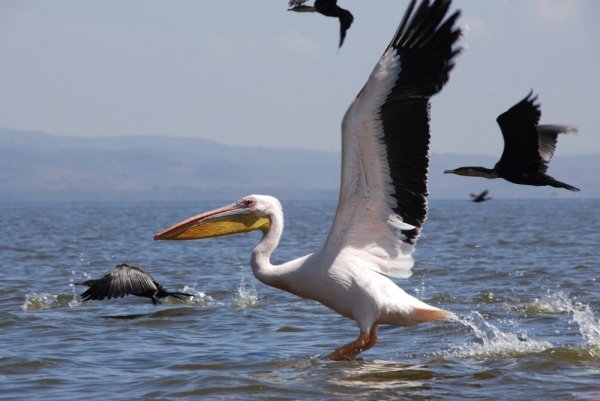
(429, 315)
(426, 313)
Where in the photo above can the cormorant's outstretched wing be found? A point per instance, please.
(547, 138)
(346, 19)
(385, 142)
(328, 8)
(521, 144)
(331, 9)
(119, 281)
(528, 147)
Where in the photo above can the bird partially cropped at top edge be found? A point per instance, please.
(482, 197)
(124, 280)
(382, 203)
(528, 148)
(328, 8)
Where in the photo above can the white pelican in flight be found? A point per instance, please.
(382, 205)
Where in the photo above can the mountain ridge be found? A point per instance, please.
(36, 166)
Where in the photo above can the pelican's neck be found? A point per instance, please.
(260, 261)
(280, 276)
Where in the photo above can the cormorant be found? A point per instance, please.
(482, 197)
(329, 8)
(124, 280)
(528, 147)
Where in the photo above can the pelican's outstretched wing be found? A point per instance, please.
(385, 143)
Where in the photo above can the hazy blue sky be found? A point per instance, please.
(251, 73)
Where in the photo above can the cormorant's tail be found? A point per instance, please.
(557, 184)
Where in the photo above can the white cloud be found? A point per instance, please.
(293, 41)
(558, 11)
(474, 27)
(217, 46)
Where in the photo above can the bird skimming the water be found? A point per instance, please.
(382, 204)
(528, 148)
(328, 8)
(124, 280)
(482, 197)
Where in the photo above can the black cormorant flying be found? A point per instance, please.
(528, 147)
(328, 8)
(124, 280)
(482, 197)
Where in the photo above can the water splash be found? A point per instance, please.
(589, 327)
(495, 342)
(560, 302)
(246, 294)
(44, 300)
(198, 298)
(40, 301)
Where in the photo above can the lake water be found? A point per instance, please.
(523, 277)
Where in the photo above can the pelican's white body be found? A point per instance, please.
(369, 239)
(342, 280)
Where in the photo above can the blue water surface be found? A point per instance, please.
(522, 275)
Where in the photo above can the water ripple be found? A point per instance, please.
(525, 293)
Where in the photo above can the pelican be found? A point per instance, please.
(328, 8)
(528, 148)
(382, 204)
(123, 280)
(482, 197)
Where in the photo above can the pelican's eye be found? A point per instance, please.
(247, 203)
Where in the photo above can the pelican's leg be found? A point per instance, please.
(349, 351)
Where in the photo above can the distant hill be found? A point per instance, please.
(36, 166)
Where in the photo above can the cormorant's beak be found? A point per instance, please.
(450, 172)
(230, 219)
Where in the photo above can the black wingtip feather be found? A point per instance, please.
(425, 43)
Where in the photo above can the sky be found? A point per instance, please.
(250, 73)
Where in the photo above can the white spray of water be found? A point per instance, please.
(40, 301)
(246, 293)
(581, 314)
(198, 298)
(496, 342)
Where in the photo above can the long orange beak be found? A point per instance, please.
(227, 220)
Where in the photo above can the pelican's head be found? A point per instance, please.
(247, 214)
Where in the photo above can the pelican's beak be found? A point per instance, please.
(231, 219)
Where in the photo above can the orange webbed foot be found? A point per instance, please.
(349, 351)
